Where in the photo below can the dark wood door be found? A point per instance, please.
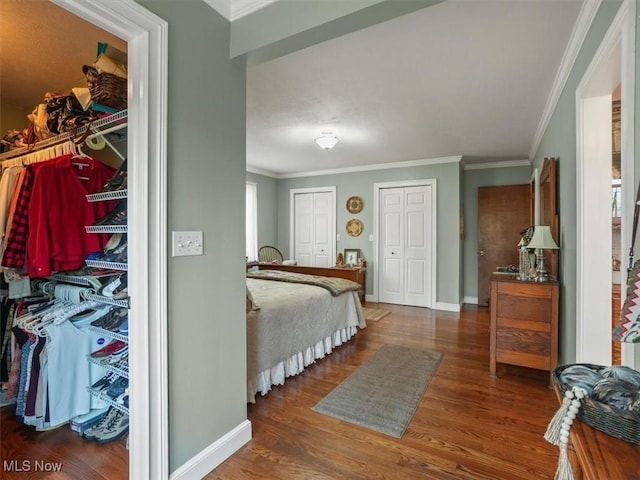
(503, 212)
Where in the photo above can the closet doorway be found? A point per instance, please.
(145, 35)
(313, 226)
(405, 222)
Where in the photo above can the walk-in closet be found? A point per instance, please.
(64, 297)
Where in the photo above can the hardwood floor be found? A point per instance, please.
(59, 454)
(467, 426)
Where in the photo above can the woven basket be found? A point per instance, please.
(621, 424)
(106, 89)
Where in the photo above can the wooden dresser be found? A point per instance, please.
(355, 274)
(524, 323)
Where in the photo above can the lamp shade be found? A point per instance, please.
(542, 238)
(326, 141)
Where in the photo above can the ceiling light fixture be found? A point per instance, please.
(326, 140)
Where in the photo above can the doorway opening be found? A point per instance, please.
(146, 35)
(611, 67)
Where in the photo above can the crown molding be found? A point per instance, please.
(375, 166)
(382, 166)
(260, 171)
(505, 164)
(578, 34)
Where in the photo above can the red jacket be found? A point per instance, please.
(59, 212)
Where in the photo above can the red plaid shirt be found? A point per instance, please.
(15, 244)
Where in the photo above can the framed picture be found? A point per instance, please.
(351, 256)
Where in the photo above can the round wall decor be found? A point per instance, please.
(354, 204)
(354, 227)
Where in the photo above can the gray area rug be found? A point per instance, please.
(384, 392)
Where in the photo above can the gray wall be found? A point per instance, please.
(267, 208)
(486, 177)
(206, 178)
(560, 141)
(361, 184)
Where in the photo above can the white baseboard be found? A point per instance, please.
(448, 307)
(216, 453)
(471, 300)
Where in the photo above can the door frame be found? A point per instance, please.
(292, 216)
(430, 182)
(593, 266)
(146, 35)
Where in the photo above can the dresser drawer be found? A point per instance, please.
(523, 328)
(523, 308)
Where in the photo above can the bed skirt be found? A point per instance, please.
(295, 364)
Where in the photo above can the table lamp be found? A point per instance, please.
(541, 241)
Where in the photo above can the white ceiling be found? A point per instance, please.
(461, 78)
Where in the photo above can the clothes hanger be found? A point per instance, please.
(79, 155)
(29, 320)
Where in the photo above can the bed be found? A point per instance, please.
(293, 320)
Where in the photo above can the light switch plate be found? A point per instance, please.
(187, 243)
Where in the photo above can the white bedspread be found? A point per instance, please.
(295, 325)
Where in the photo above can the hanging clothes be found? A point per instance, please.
(6, 309)
(53, 374)
(8, 183)
(59, 211)
(15, 245)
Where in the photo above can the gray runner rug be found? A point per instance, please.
(384, 392)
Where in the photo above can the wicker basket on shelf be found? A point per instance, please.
(106, 89)
(622, 424)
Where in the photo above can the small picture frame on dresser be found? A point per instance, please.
(351, 257)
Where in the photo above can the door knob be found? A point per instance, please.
(481, 253)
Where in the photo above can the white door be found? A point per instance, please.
(313, 217)
(322, 252)
(391, 240)
(405, 227)
(303, 228)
